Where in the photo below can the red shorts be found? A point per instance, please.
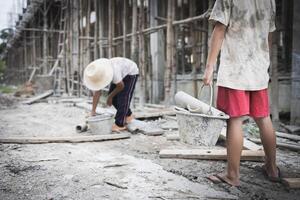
(237, 103)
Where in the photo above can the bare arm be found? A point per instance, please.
(119, 87)
(214, 50)
(96, 97)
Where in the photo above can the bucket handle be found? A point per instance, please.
(210, 104)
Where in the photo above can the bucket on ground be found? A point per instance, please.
(101, 124)
(200, 129)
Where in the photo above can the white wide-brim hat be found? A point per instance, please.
(98, 74)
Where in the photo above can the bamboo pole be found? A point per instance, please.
(169, 59)
(163, 26)
(96, 30)
(193, 33)
(45, 26)
(111, 21)
(124, 26)
(100, 10)
(88, 29)
(142, 55)
(134, 44)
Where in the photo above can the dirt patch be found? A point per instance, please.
(7, 101)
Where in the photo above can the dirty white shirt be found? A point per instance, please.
(123, 67)
(245, 59)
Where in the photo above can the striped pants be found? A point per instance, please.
(122, 100)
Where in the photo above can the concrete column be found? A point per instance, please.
(295, 97)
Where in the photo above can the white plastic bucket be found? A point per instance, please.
(101, 124)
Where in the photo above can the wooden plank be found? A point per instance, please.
(292, 183)
(247, 144)
(293, 147)
(153, 113)
(69, 139)
(173, 137)
(209, 154)
(288, 136)
(41, 96)
(292, 128)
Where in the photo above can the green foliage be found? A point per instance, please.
(251, 129)
(6, 89)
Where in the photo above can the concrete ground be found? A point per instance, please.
(121, 169)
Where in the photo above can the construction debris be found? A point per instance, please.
(209, 154)
(146, 128)
(39, 97)
(247, 144)
(27, 90)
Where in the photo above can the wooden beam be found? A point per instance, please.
(288, 136)
(293, 147)
(293, 183)
(39, 97)
(209, 154)
(69, 139)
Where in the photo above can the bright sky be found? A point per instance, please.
(5, 7)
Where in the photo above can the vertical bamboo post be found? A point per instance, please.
(100, 10)
(134, 45)
(96, 30)
(45, 58)
(193, 34)
(88, 30)
(124, 26)
(111, 21)
(142, 55)
(169, 59)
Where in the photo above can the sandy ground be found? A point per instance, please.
(122, 169)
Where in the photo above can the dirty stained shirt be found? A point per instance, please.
(245, 58)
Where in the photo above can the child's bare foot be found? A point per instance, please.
(129, 119)
(116, 128)
(219, 178)
(272, 173)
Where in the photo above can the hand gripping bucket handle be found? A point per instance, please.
(210, 103)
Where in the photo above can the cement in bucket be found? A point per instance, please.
(203, 128)
(199, 129)
(101, 124)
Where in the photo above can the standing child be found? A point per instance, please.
(243, 31)
(122, 73)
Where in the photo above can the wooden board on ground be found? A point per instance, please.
(292, 128)
(69, 139)
(292, 183)
(248, 145)
(294, 147)
(153, 112)
(209, 154)
(288, 136)
(38, 97)
(173, 137)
